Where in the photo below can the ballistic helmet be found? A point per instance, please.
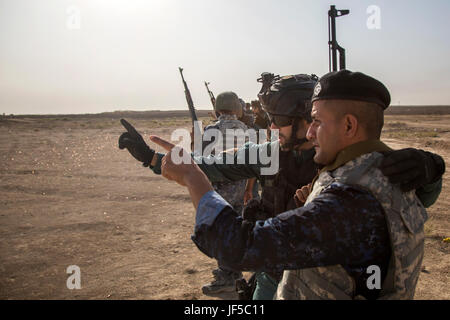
(228, 101)
(289, 96)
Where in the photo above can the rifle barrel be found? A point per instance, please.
(333, 46)
(187, 93)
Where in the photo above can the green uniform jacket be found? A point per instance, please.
(216, 172)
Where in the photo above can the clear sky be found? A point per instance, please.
(89, 56)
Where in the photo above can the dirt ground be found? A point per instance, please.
(69, 196)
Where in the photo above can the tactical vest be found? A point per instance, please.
(405, 218)
(295, 171)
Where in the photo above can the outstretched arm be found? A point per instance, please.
(186, 174)
(216, 168)
(415, 169)
(315, 235)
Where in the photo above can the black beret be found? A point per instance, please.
(347, 85)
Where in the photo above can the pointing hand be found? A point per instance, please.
(135, 144)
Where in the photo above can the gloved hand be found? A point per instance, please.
(254, 210)
(135, 144)
(412, 168)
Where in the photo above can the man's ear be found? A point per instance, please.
(351, 125)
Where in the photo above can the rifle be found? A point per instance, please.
(196, 127)
(187, 93)
(213, 100)
(333, 45)
(211, 95)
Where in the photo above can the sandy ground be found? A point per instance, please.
(69, 196)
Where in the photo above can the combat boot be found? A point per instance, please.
(223, 282)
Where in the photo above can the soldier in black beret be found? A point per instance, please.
(366, 98)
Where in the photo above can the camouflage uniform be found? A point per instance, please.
(354, 218)
(248, 119)
(233, 192)
(229, 106)
(405, 218)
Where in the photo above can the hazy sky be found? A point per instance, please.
(89, 56)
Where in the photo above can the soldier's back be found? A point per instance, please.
(232, 192)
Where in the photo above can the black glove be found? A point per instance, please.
(135, 144)
(254, 210)
(412, 168)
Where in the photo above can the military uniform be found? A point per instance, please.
(405, 217)
(220, 171)
(296, 169)
(354, 218)
(248, 119)
(233, 192)
(335, 237)
(342, 229)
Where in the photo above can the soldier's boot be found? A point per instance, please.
(223, 282)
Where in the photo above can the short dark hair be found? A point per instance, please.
(369, 115)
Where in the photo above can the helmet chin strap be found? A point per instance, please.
(293, 141)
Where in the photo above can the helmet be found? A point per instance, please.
(228, 101)
(289, 96)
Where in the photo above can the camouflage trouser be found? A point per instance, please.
(266, 287)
